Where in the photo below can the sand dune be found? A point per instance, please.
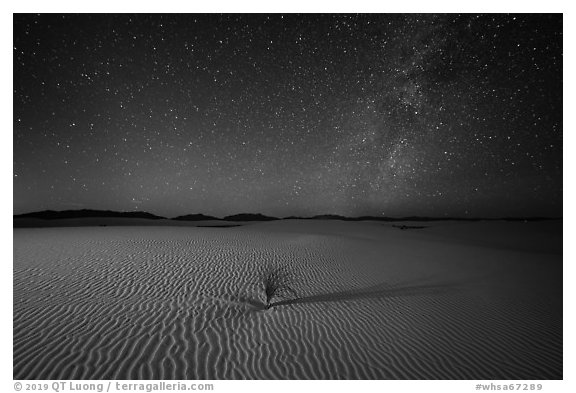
(374, 302)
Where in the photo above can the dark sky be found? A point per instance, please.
(377, 114)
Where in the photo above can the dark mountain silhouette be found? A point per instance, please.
(195, 217)
(249, 217)
(86, 213)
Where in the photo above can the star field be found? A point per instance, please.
(376, 114)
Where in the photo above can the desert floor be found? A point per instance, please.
(479, 300)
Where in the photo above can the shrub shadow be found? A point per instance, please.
(382, 290)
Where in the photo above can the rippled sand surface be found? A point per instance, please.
(370, 301)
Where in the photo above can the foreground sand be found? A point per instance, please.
(455, 300)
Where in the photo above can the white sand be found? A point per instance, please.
(456, 300)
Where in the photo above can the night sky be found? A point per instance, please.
(375, 114)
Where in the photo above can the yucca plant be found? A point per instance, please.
(276, 281)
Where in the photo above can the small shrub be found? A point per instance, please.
(276, 281)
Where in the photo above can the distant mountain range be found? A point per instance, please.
(87, 213)
(250, 217)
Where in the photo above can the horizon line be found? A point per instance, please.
(334, 215)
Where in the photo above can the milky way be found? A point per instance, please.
(437, 115)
